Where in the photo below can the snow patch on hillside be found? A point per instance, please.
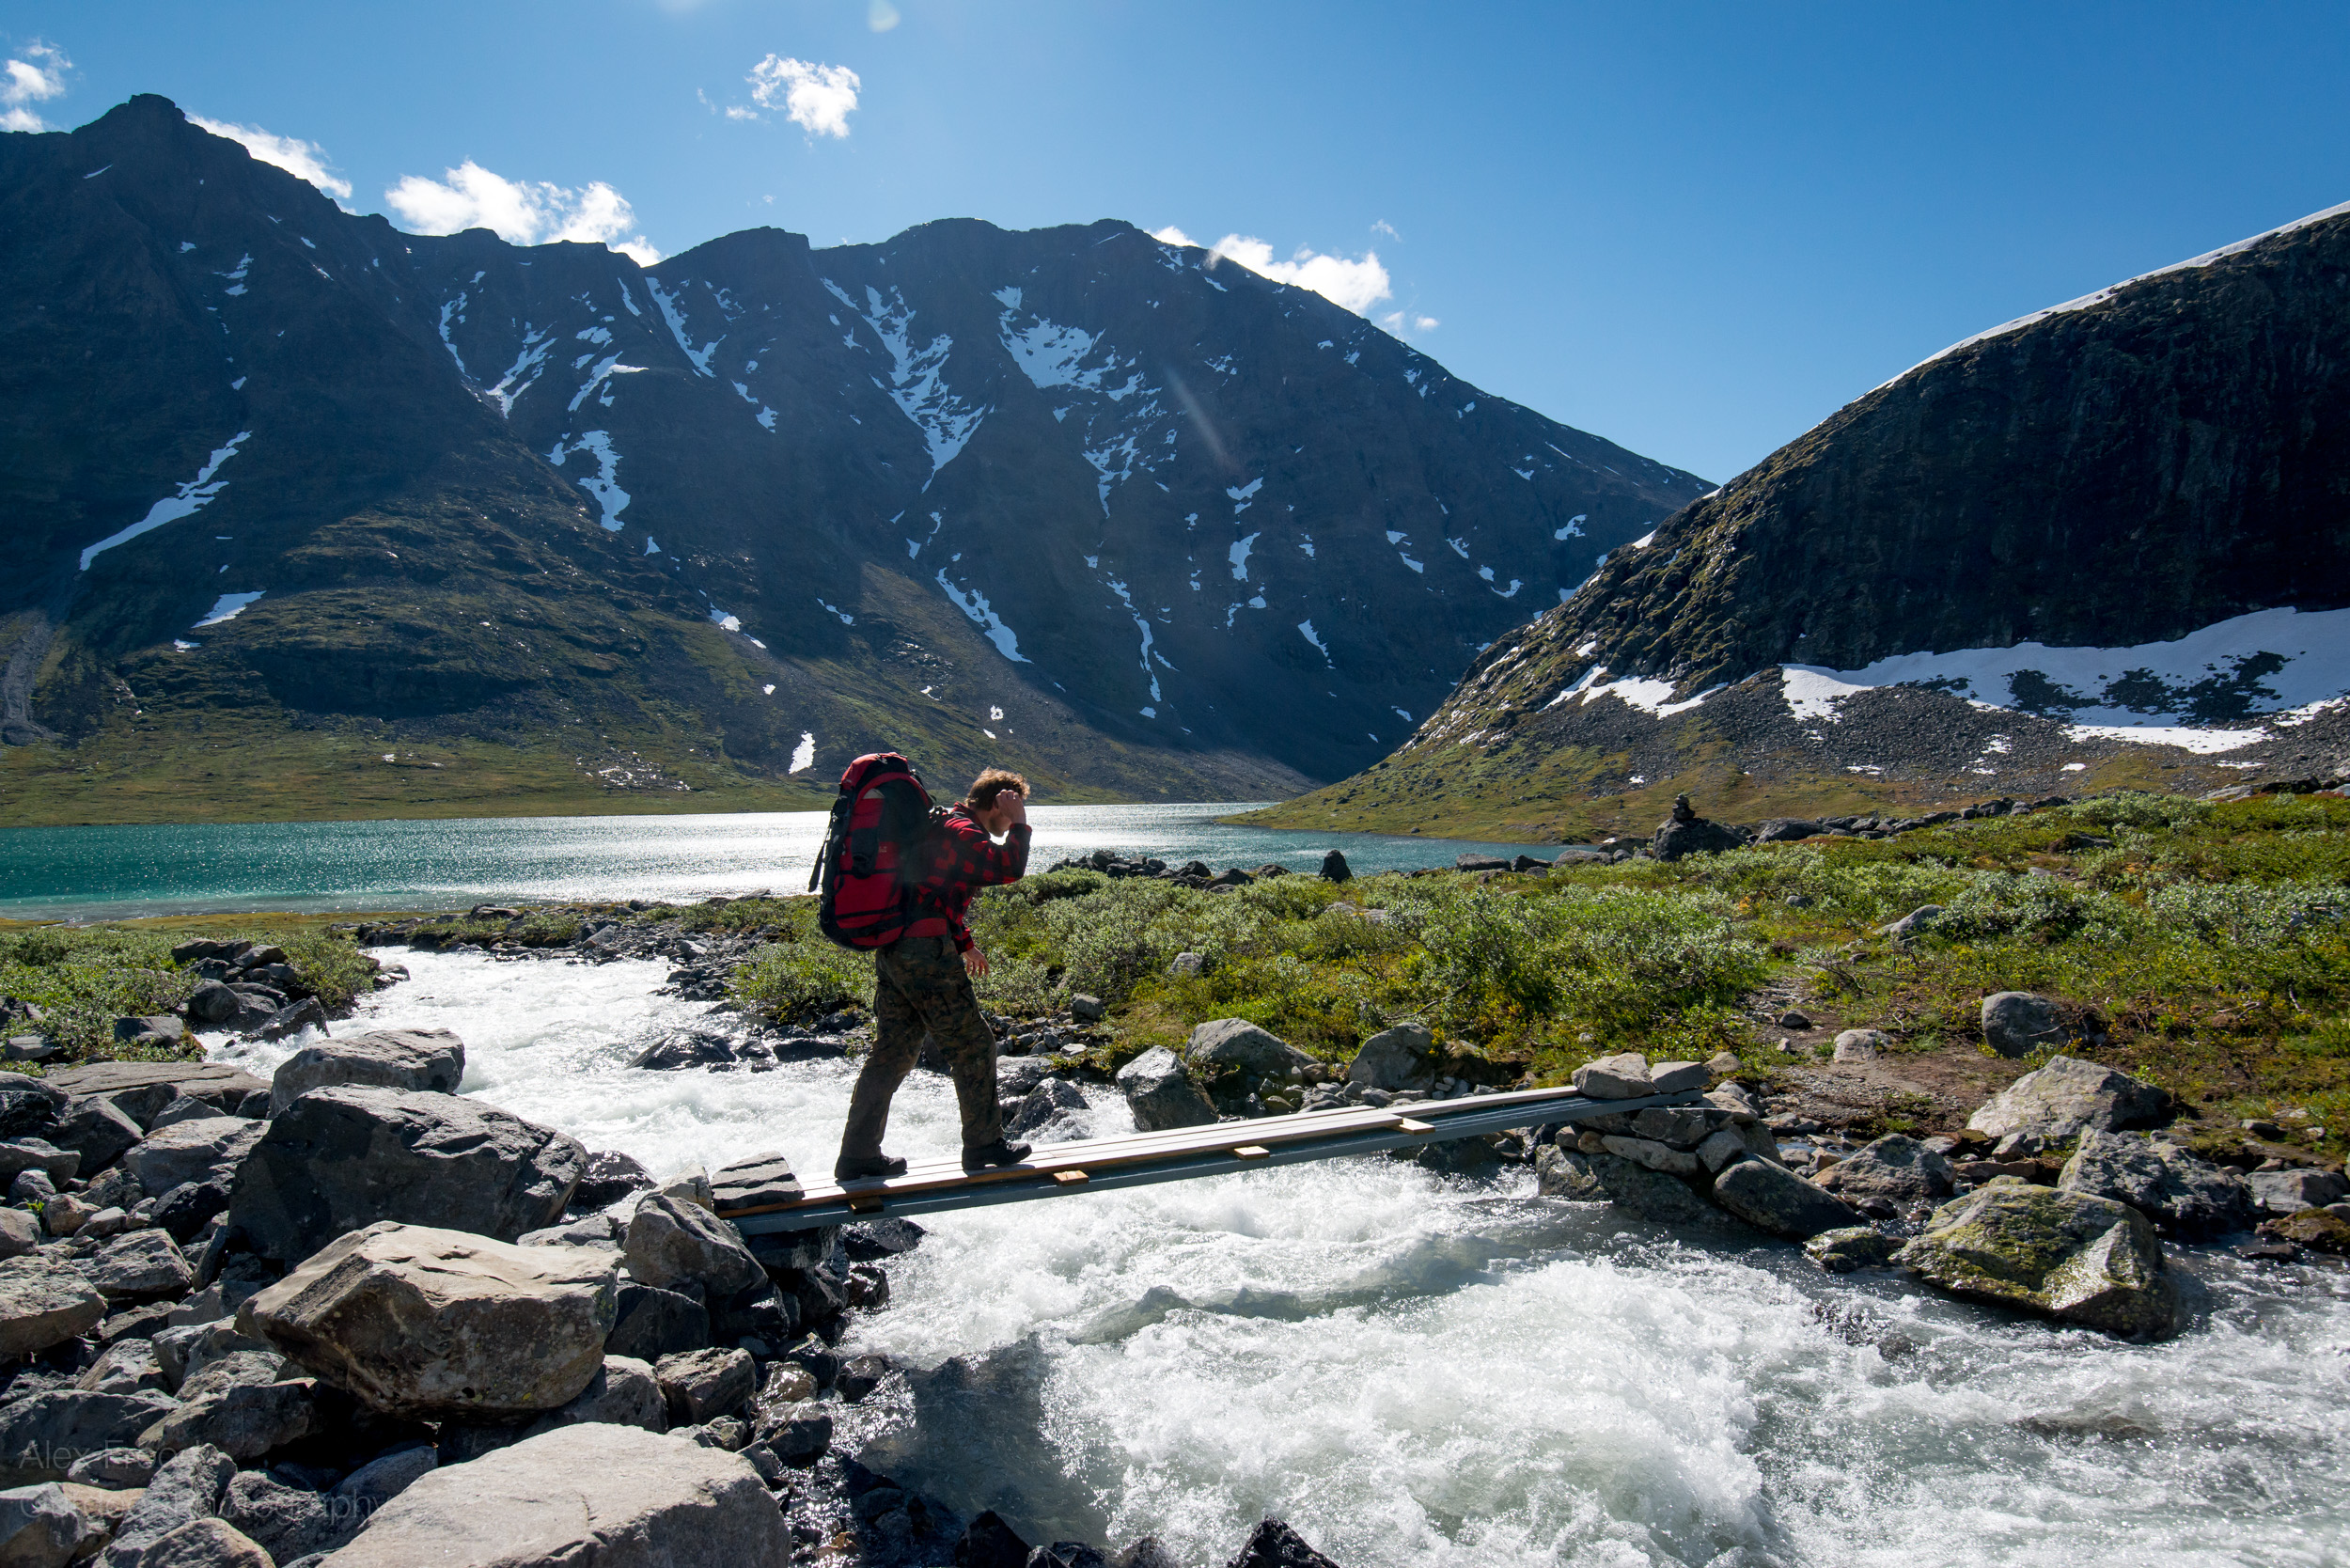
(971, 602)
(229, 606)
(609, 496)
(1142, 624)
(2195, 692)
(917, 378)
(185, 501)
(676, 318)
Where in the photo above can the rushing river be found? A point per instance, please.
(1418, 1370)
(113, 874)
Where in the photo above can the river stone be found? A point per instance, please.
(2184, 1195)
(1656, 1157)
(98, 1130)
(431, 1059)
(1161, 1094)
(761, 1181)
(651, 1322)
(44, 1303)
(1564, 1173)
(1722, 1148)
(1617, 1077)
(797, 1434)
(126, 1367)
(37, 1153)
(1273, 1544)
(20, 1234)
(245, 1421)
(1650, 1194)
(42, 1435)
(702, 1384)
(286, 1522)
(623, 1392)
(1861, 1044)
(185, 1488)
(2322, 1229)
(1228, 1043)
(1397, 1059)
(345, 1157)
(379, 1481)
(2071, 1256)
(201, 1544)
(207, 1149)
(2285, 1192)
(1895, 1168)
(435, 1325)
(145, 1265)
(141, 1089)
(1044, 1102)
(1854, 1246)
(1673, 1077)
(2066, 1097)
(672, 1241)
(1773, 1199)
(40, 1527)
(236, 1369)
(595, 1495)
(113, 1469)
(2017, 1022)
(1682, 1126)
(608, 1177)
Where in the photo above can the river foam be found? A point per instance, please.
(1415, 1368)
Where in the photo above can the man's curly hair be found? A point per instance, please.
(990, 784)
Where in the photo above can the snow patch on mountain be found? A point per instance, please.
(1142, 624)
(609, 496)
(676, 318)
(185, 501)
(2195, 692)
(971, 602)
(527, 364)
(229, 606)
(1240, 557)
(918, 381)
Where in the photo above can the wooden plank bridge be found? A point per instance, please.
(1178, 1155)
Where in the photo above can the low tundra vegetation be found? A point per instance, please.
(2206, 946)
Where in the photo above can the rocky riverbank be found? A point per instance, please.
(347, 1316)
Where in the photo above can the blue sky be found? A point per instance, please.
(1695, 230)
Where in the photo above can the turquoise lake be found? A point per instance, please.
(93, 874)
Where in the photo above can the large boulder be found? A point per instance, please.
(186, 1489)
(1686, 833)
(2286, 1192)
(144, 1266)
(98, 1130)
(1772, 1198)
(672, 1241)
(29, 1107)
(429, 1060)
(594, 1496)
(609, 1177)
(44, 1302)
(1401, 1058)
(651, 1322)
(434, 1325)
(1895, 1169)
(244, 1421)
(1653, 1195)
(1617, 1077)
(2067, 1097)
(38, 1153)
(747, 1186)
(42, 1435)
(288, 1522)
(40, 1527)
(703, 1385)
(2184, 1195)
(1273, 1544)
(2071, 1256)
(142, 1088)
(1223, 1044)
(341, 1158)
(624, 1391)
(207, 1149)
(2017, 1022)
(202, 1544)
(1161, 1094)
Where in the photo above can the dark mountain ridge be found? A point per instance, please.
(2105, 542)
(1073, 500)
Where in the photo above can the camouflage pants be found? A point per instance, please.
(920, 987)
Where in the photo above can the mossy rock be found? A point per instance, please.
(2070, 1256)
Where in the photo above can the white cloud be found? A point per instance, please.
(521, 212)
(818, 98)
(1381, 226)
(1399, 322)
(36, 78)
(1171, 235)
(301, 158)
(881, 16)
(1355, 284)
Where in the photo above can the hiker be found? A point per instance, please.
(922, 980)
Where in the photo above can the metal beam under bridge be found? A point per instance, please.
(1180, 1154)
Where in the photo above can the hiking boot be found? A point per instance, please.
(1002, 1151)
(869, 1167)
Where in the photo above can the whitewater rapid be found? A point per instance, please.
(1420, 1370)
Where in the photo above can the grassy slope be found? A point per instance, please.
(1516, 795)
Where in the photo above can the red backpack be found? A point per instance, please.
(874, 851)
